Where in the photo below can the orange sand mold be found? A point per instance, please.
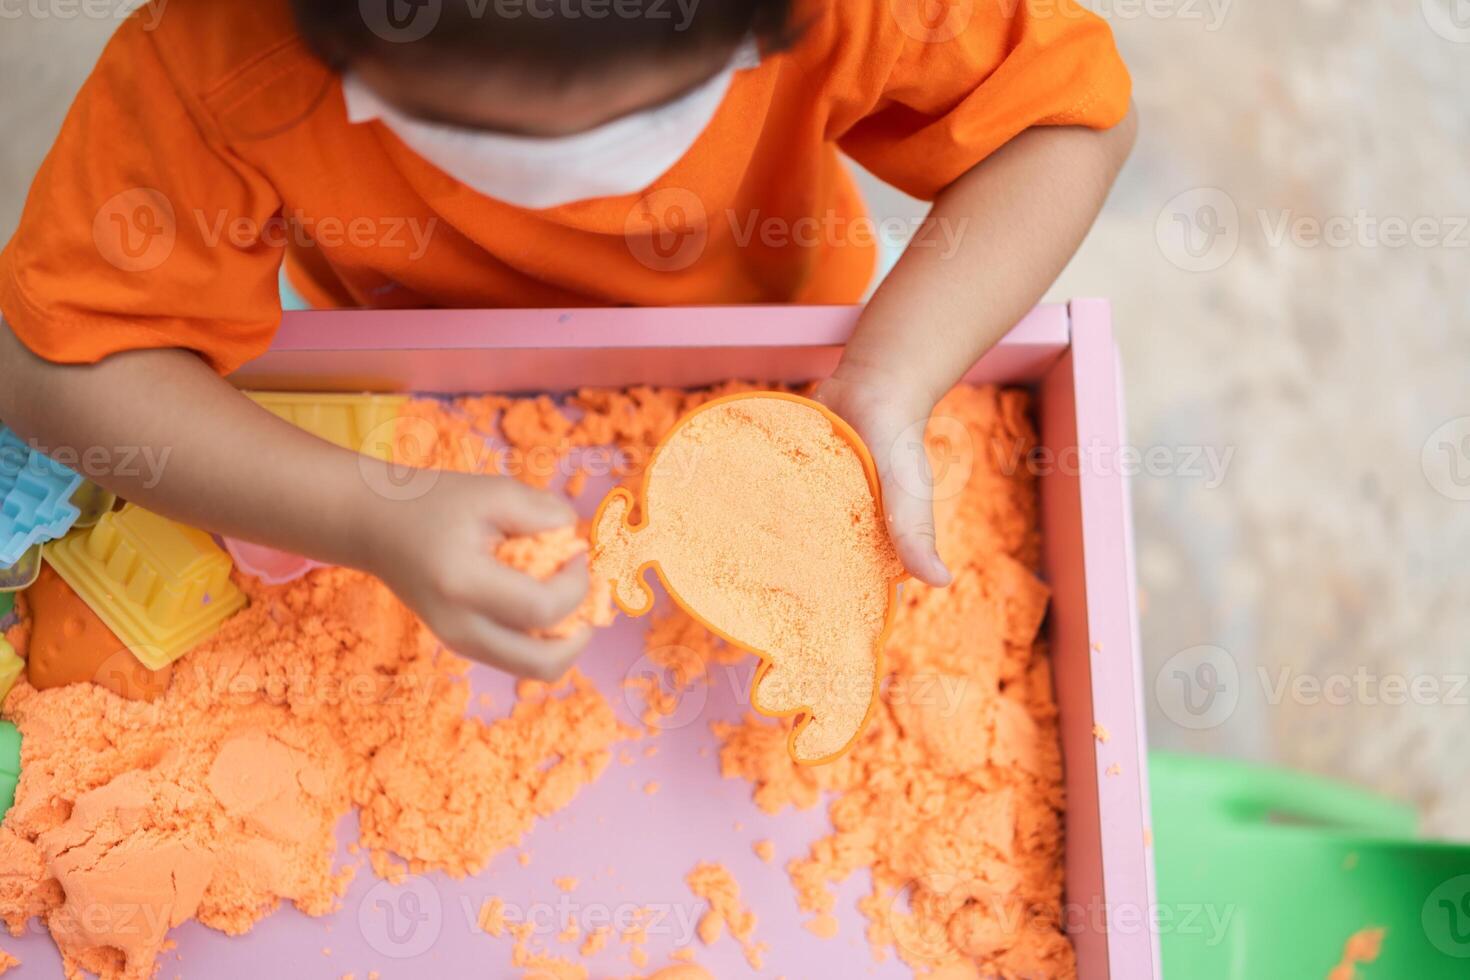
(762, 518)
(70, 644)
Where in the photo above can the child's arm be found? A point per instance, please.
(227, 465)
(1019, 216)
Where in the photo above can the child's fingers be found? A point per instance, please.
(513, 651)
(517, 600)
(910, 516)
(521, 509)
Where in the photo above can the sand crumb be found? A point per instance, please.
(824, 926)
(576, 483)
(717, 886)
(492, 917)
(567, 885)
(1363, 946)
(765, 850)
(537, 964)
(1113, 770)
(681, 971)
(596, 941)
(1101, 734)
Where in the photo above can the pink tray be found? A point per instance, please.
(629, 850)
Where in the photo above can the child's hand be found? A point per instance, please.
(437, 552)
(890, 417)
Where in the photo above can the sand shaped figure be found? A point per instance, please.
(761, 514)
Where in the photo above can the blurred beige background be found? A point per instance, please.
(1289, 262)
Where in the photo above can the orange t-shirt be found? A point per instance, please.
(208, 146)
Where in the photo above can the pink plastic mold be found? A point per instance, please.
(267, 564)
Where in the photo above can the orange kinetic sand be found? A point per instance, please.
(541, 556)
(952, 798)
(682, 971)
(715, 884)
(220, 799)
(1363, 946)
(70, 644)
(326, 695)
(761, 515)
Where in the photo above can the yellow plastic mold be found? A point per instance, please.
(162, 587)
(11, 667)
(360, 423)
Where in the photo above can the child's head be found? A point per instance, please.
(539, 67)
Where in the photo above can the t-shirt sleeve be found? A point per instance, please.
(922, 91)
(142, 229)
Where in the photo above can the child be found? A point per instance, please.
(542, 153)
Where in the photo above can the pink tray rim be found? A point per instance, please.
(1055, 345)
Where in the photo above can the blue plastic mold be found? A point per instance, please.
(35, 498)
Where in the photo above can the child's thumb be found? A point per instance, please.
(909, 511)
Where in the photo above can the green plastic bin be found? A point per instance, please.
(1264, 873)
(9, 765)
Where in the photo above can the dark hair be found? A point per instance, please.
(557, 35)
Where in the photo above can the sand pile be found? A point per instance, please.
(219, 799)
(953, 796)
